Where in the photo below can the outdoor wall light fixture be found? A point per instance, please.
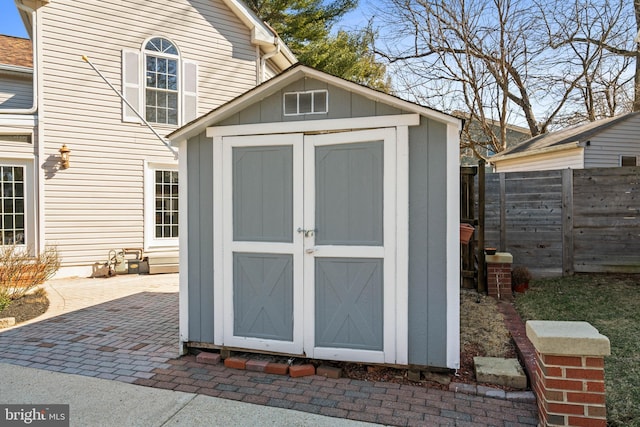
(64, 156)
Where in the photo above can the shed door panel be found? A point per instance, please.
(349, 303)
(349, 262)
(263, 194)
(263, 296)
(349, 194)
(262, 253)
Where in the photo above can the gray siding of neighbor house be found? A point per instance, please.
(605, 148)
(200, 230)
(427, 218)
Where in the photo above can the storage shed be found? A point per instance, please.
(320, 218)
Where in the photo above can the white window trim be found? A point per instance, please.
(312, 92)
(29, 199)
(150, 240)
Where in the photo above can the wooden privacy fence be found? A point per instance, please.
(566, 221)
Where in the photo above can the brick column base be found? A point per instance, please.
(569, 378)
(499, 275)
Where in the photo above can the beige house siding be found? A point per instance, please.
(97, 204)
(12, 125)
(606, 148)
(564, 159)
(15, 92)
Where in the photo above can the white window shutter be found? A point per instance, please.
(189, 91)
(131, 85)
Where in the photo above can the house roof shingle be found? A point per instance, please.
(15, 51)
(573, 134)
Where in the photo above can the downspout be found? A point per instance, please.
(265, 57)
(34, 38)
(39, 232)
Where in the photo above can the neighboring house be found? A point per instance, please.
(173, 60)
(610, 142)
(473, 131)
(331, 213)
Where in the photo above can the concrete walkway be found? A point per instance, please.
(96, 402)
(126, 329)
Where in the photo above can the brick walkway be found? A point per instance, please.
(134, 339)
(124, 339)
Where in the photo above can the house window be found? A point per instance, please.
(629, 161)
(166, 210)
(161, 208)
(12, 205)
(161, 81)
(311, 102)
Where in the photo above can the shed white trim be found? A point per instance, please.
(453, 247)
(316, 125)
(183, 238)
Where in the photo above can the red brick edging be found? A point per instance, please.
(524, 348)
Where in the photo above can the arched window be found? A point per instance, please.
(162, 87)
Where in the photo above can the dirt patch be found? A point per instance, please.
(27, 307)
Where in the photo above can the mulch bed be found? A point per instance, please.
(26, 308)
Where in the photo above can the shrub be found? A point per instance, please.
(520, 276)
(21, 272)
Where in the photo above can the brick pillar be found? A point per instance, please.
(499, 275)
(569, 377)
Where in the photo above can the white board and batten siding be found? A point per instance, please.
(98, 203)
(606, 147)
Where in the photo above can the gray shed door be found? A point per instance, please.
(310, 239)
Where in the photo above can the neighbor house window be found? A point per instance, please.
(629, 161)
(161, 81)
(311, 102)
(12, 205)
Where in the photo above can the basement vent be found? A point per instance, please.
(310, 102)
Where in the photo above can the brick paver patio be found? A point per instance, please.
(134, 339)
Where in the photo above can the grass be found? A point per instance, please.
(611, 303)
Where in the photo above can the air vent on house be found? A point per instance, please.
(310, 102)
(16, 138)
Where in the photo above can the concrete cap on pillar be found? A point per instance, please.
(567, 338)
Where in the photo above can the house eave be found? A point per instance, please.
(262, 35)
(15, 70)
(546, 150)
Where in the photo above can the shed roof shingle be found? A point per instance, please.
(15, 51)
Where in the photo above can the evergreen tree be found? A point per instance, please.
(305, 26)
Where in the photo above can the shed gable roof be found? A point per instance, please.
(15, 52)
(565, 138)
(287, 77)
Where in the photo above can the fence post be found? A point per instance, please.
(568, 268)
(482, 277)
(569, 376)
(503, 212)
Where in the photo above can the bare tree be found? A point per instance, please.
(582, 37)
(506, 61)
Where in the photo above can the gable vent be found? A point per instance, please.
(310, 102)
